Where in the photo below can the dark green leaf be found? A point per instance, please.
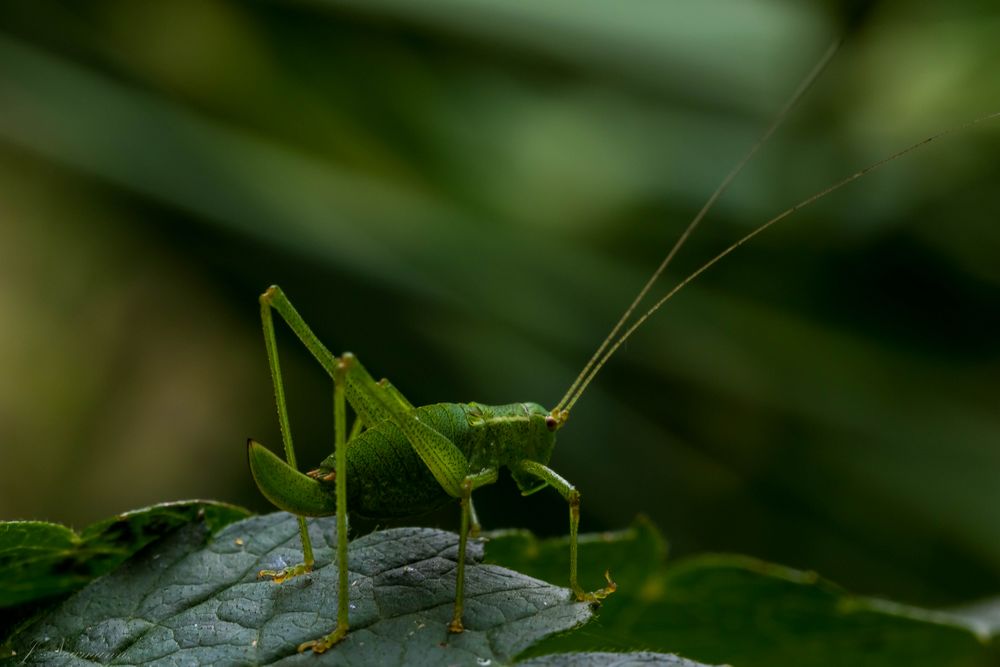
(41, 559)
(983, 615)
(738, 610)
(630, 556)
(195, 599)
(605, 659)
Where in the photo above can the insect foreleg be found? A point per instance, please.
(469, 484)
(572, 496)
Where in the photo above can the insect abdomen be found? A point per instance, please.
(385, 476)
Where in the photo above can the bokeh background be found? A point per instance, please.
(466, 194)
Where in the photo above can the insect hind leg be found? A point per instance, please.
(340, 453)
(275, 298)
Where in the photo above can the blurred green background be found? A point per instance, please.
(466, 194)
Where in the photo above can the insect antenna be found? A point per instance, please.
(757, 230)
(560, 412)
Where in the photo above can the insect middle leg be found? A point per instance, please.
(469, 484)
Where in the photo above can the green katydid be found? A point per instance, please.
(403, 460)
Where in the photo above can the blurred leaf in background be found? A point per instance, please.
(466, 194)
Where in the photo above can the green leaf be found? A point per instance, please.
(983, 615)
(41, 559)
(631, 556)
(194, 599)
(739, 610)
(605, 659)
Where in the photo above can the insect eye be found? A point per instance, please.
(551, 423)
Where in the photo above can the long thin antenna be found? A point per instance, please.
(781, 216)
(803, 86)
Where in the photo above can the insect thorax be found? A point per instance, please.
(506, 434)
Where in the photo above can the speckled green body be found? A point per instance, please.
(399, 461)
(387, 479)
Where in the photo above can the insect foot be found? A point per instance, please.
(595, 597)
(284, 574)
(321, 645)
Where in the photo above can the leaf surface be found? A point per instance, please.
(195, 599)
